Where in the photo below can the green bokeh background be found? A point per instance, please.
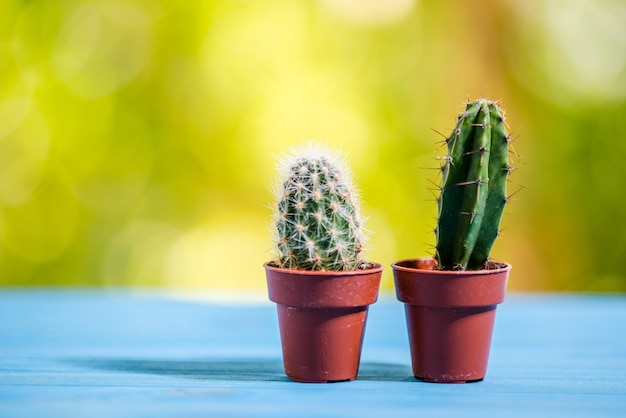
(138, 139)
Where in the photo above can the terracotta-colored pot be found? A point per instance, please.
(450, 317)
(322, 318)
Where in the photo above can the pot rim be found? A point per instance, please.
(327, 289)
(375, 267)
(398, 265)
(444, 288)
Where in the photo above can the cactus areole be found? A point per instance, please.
(473, 188)
(317, 224)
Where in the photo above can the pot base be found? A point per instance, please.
(352, 379)
(321, 345)
(448, 381)
(450, 345)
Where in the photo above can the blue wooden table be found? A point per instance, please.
(123, 353)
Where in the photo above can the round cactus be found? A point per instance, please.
(317, 224)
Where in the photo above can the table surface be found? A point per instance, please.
(129, 353)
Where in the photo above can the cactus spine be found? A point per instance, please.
(473, 188)
(317, 221)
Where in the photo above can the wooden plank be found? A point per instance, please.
(126, 354)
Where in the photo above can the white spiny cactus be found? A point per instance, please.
(317, 222)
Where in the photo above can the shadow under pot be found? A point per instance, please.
(322, 317)
(450, 317)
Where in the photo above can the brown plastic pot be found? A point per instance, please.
(322, 318)
(450, 317)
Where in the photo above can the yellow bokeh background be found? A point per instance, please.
(138, 138)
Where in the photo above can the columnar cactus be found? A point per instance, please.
(473, 188)
(317, 224)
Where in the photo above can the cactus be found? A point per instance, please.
(317, 221)
(473, 188)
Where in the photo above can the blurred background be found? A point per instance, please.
(138, 138)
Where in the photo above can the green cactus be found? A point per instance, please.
(317, 223)
(473, 188)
